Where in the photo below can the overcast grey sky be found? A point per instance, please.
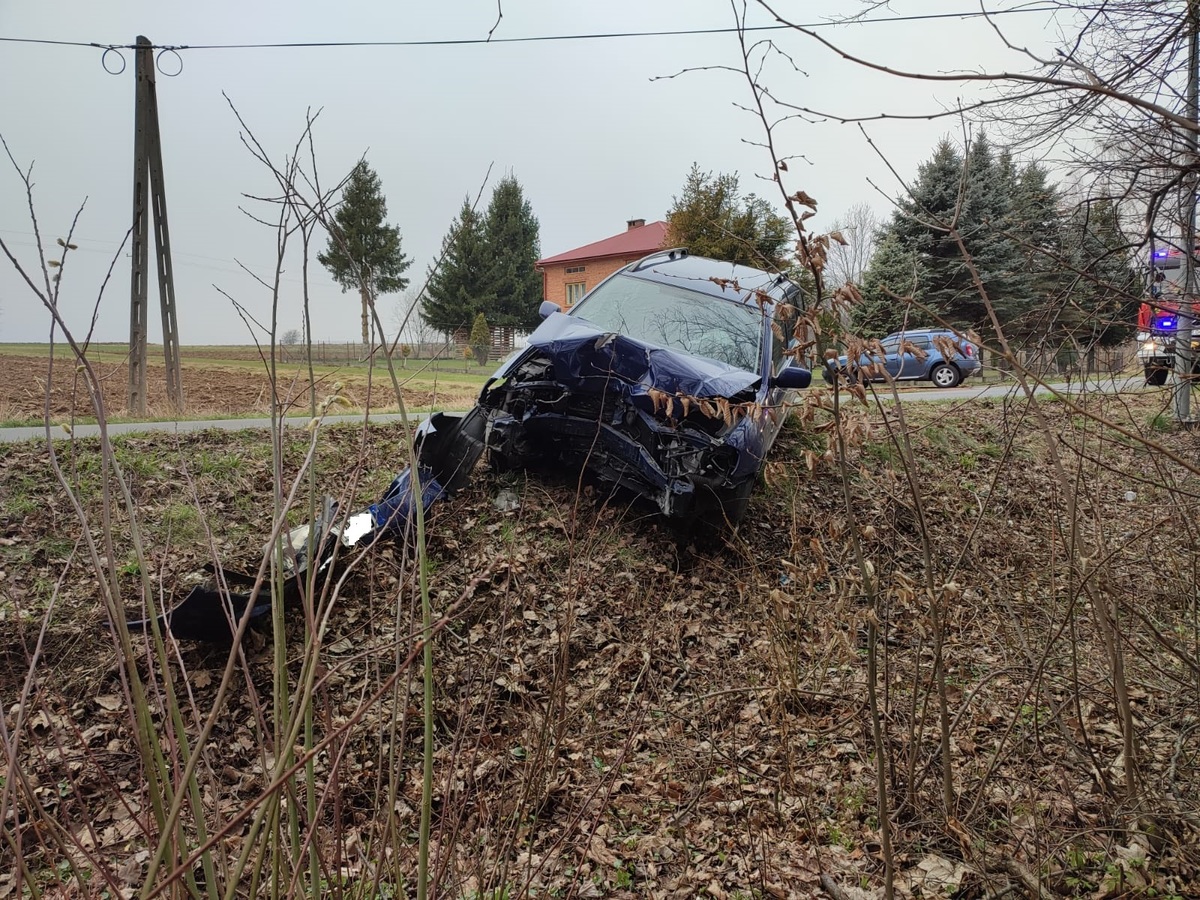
(583, 125)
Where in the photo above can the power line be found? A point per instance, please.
(546, 38)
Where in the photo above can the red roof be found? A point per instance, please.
(634, 242)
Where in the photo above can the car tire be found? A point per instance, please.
(500, 463)
(718, 513)
(944, 375)
(1156, 377)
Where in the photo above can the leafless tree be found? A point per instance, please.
(1109, 104)
(409, 328)
(848, 261)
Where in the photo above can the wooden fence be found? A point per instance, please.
(349, 353)
(1066, 360)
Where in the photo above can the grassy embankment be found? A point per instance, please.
(618, 716)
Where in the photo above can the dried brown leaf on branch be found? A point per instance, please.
(804, 200)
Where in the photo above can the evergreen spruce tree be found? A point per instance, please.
(460, 287)
(511, 235)
(894, 270)
(985, 226)
(914, 258)
(916, 248)
(364, 251)
(1036, 221)
(1051, 276)
(1106, 292)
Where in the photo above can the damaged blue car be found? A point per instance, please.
(669, 379)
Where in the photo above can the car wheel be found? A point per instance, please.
(1156, 377)
(945, 376)
(501, 463)
(717, 513)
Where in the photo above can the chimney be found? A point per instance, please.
(634, 223)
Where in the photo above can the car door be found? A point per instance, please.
(912, 366)
(892, 359)
(776, 361)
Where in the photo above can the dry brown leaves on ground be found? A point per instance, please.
(620, 716)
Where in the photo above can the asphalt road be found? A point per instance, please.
(977, 390)
(38, 432)
(972, 390)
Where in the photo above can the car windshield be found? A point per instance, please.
(676, 318)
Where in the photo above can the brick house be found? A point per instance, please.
(568, 276)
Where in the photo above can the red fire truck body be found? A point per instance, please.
(1158, 319)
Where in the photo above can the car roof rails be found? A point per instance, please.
(673, 254)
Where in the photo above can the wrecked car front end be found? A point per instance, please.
(667, 426)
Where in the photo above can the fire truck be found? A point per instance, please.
(1158, 318)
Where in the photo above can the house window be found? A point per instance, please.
(575, 292)
(575, 270)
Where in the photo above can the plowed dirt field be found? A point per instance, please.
(209, 390)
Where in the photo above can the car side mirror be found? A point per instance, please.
(547, 308)
(792, 377)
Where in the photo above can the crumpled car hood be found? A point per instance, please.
(580, 352)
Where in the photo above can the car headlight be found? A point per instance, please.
(722, 460)
(1150, 347)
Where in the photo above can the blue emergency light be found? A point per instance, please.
(1165, 323)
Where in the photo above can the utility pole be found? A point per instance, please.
(149, 191)
(1186, 318)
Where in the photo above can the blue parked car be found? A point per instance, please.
(917, 354)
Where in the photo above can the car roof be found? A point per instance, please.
(911, 331)
(695, 273)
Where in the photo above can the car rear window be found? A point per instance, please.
(677, 318)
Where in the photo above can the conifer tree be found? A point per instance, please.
(364, 251)
(1105, 288)
(892, 277)
(1051, 275)
(1036, 225)
(986, 214)
(460, 286)
(921, 252)
(480, 340)
(915, 258)
(513, 245)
